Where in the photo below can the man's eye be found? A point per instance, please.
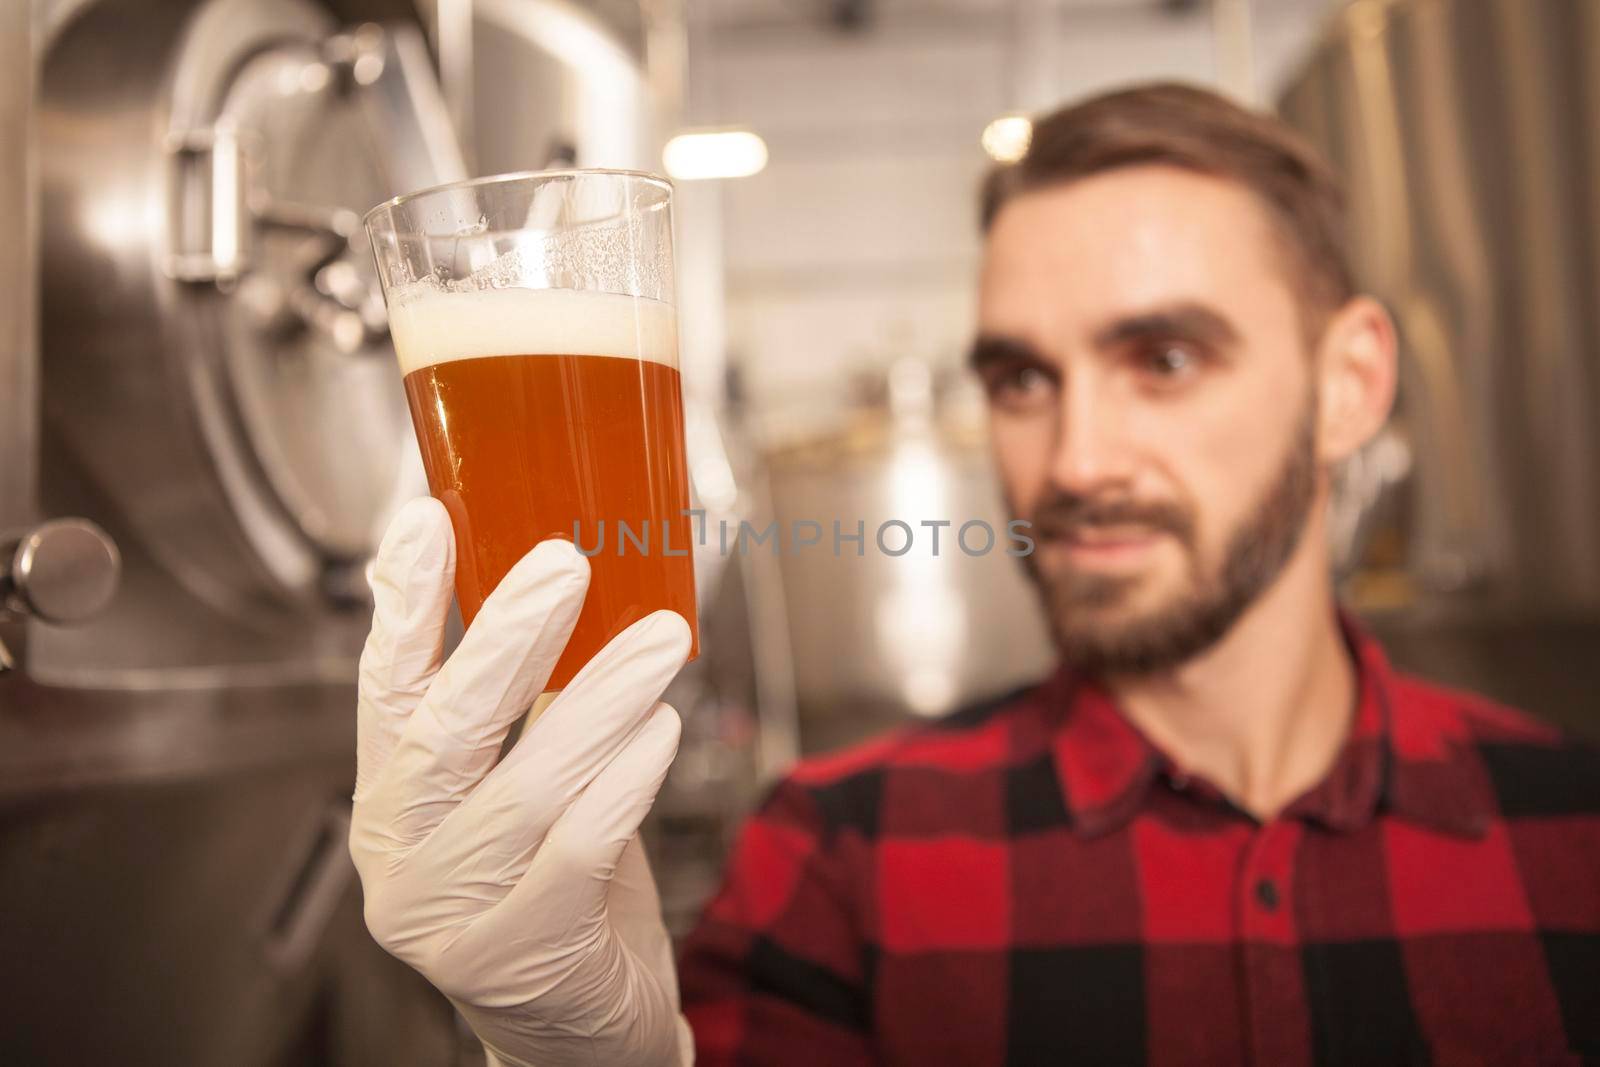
(1170, 361)
(1021, 387)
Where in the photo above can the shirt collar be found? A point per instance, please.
(1393, 760)
(1428, 773)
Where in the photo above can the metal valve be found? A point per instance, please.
(63, 571)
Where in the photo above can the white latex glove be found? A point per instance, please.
(519, 889)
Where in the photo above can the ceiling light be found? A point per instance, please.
(1006, 138)
(714, 154)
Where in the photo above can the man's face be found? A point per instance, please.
(1153, 407)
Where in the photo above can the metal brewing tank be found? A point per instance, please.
(912, 621)
(196, 388)
(211, 387)
(1468, 132)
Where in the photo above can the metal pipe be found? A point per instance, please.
(449, 24)
(19, 360)
(19, 335)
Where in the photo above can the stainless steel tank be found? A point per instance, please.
(217, 380)
(1468, 132)
(895, 627)
(197, 394)
(209, 386)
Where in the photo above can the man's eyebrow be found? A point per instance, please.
(989, 349)
(1193, 322)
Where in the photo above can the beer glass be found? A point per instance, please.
(534, 318)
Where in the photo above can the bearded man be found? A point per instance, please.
(1223, 831)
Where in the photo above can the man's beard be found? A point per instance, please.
(1161, 639)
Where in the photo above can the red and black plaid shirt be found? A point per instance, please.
(1033, 882)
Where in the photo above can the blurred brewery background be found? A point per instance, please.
(202, 432)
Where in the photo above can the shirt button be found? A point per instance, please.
(1267, 894)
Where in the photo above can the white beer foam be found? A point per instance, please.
(430, 326)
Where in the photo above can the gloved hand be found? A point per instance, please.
(519, 889)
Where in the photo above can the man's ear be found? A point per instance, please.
(1356, 367)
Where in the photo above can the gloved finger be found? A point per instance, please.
(633, 907)
(489, 840)
(412, 577)
(562, 896)
(502, 663)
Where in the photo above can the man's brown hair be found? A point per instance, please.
(1201, 131)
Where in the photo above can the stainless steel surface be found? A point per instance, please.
(296, 454)
(1468, 132)
(450, 27)
(19, 367)
(146, 927)
(66, 741)
(204, 281)
(310, 890)
(62, 571)
(595, 107)
(18, 355)
(404, 107)
(212, 390)
(877, 638)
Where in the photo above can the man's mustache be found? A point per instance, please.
(1062, 515)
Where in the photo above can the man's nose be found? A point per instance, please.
(1092, 449)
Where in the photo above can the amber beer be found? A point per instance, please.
(555, 413)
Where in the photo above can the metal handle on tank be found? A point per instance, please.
(62, 572)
